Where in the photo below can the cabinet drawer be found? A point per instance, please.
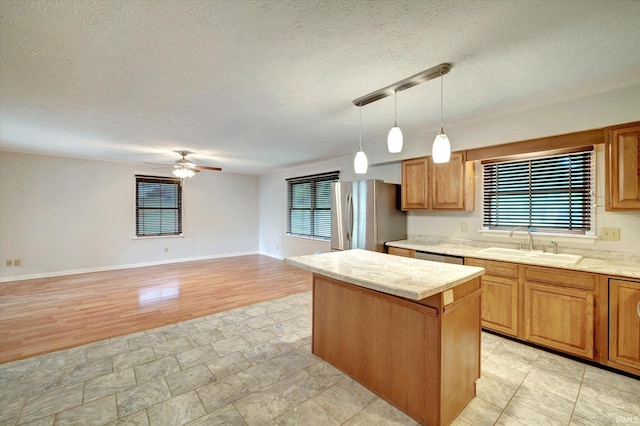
(493, 267)
(396, 251)
(559, 277)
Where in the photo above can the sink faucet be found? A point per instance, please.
(528, 232)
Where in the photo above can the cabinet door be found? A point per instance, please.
(624, 322)
(560, 318)
(415, 183)
(447, 185)
(623, 161)
(500, 304)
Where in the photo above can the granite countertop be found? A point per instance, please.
(587, 264)
(400, 276)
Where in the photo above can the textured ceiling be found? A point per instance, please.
(253, 86)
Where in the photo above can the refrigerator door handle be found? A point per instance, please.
(349, 213)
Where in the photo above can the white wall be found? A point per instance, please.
(274, 240)
(65, 214)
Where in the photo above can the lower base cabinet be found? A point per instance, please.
(560, 318)
(624, 322)
(423, 356)
(499, 295)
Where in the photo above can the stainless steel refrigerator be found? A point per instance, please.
(366, 214)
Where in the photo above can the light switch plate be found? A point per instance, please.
(610, 234)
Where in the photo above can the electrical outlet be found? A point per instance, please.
(463, 227)
(166, 249)
(9, 262)
(17, 262)
(610, 234)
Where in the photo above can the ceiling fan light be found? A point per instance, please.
(395, 139)
(441, 150)
(183, 172)
(360, 163)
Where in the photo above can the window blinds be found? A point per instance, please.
(309, 205)
(158, 206)
(552, 193)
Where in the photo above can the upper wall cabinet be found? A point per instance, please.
(415, 184)
(430, 186)
(622, 167)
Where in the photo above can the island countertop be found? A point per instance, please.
(413, 279)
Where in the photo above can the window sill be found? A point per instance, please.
(156, 237)
(561, 238)
(302, 237)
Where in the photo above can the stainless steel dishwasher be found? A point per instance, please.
(435, 257)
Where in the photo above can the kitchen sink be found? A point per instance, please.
(557, 258)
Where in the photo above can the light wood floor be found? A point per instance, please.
(48, 314)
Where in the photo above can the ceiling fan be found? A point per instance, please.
(184, 168)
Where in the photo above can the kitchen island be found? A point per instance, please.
(407, 329)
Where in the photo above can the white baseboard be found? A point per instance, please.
(116, 267)
(275, 256)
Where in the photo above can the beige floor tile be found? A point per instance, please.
(480, 413)
(142, 396)
(176, 411)
(517, 414)
(53, 401)
(98, 412)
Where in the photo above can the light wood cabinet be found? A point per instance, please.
(559, 309)
(624, 322)
(415, 184)
(622, 167)
(499, 295)
(592, 316)
(452, 184)
(421, 356)
(397, 251)
(560, 318)
(430, 186)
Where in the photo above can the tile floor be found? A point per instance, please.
(253, 365)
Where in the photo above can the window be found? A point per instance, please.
(158, 206)
(309, 205)
(550, 194)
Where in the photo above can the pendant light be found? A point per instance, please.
(394, 139)
(360, 163)
(441, 150)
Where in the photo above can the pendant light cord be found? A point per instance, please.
(360, 109)
(441, 102)
(395, 108)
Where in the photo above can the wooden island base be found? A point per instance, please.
(422, 356)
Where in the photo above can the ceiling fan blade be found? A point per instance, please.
(215, 169)
(158, 164)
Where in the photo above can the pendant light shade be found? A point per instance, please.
(360, 162)
(441, 149)
(395, 139)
